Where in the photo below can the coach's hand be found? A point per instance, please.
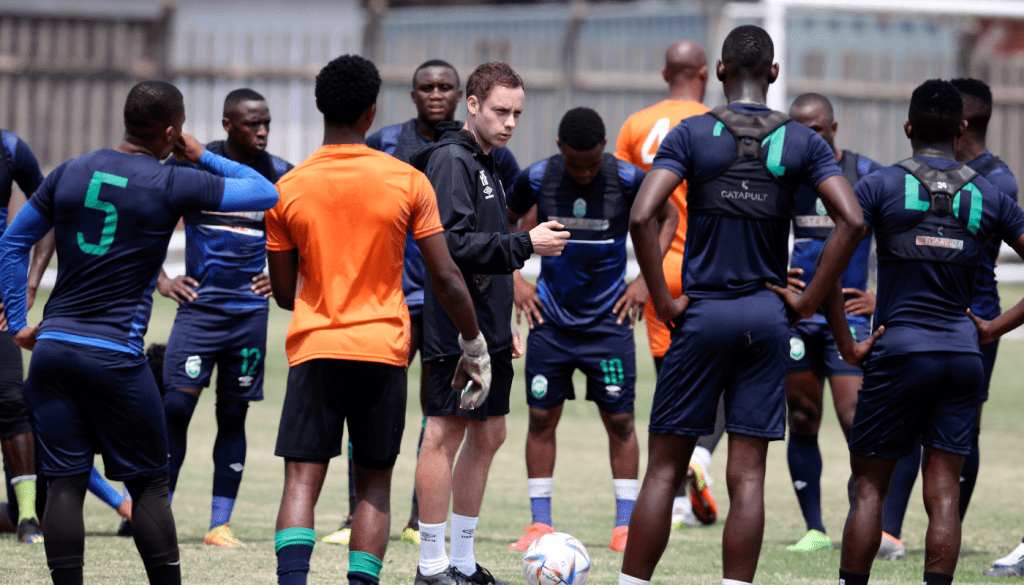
(861, 302)
(793, 280)
(862, 349)
(547, 242)
(473, 373)
(261, 285)
(26, 338)
(525, 297)
(188, 148)
(633, 300)
(985, 332)
(178, 288)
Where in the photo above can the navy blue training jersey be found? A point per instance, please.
(113, 215)
(17, 165)
(812, 227)
(225, 250)
(583, 284)
(923, 303)
(731, 254)
(986, 293)
(402, 141)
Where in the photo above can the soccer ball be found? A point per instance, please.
(556, 559)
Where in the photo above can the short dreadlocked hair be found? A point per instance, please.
(151, 107)
(936, 109)
(581, 129)
(749, 48)
(238, 96)
(435, 63)
(486, 76)
(976, 93)
(345, 88)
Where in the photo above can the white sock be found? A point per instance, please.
(626, 489)
(733, 581)
(16, 480)
(681, 505)
(433, 559)
(540, 487)
(625, 579)
(703, 457)
(463, 532)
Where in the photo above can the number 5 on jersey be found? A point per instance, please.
(92, 201)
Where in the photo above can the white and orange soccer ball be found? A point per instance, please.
(556, 559)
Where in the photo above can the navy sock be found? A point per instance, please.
(178, 409)
(932, 578)
(851, 578)
(899, 491)
(228, 459)
(294, 547)
(68, 576)
(805, 469)
(969, 474)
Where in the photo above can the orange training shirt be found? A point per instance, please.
(346, 210)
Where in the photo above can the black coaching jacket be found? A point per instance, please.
(473, 209)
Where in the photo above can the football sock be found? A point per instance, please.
(625, 579)
(65, 539)
(294, 547)
(433, 559)
(463, 532)
(625, 496)
(805, 470)
(228, 460)
(153, 528)
(178, 409)
(103, 490)
(351, 483)
(363, 568)
(932, 578)
(851, 578)
(902, 484)
(25, 488)
(969, 474)
(540, 490)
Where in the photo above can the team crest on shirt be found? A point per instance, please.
(193, 365)
(579, 208)
(539, 386)
(796, 348)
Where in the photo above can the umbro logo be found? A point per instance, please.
(236, 467)
(799, 485)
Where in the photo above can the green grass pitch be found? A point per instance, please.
(583, 502)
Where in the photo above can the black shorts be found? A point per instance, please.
(14, 419)
(443, 400)
(322, 394)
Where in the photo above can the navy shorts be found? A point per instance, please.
(14, 419)
(604, 352)
(442, 400)
(85, 400)
(235, 342)
(812, 348)
(932, 396)
(325, 393)
(988, 361)
(736, 346)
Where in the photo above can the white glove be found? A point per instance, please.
(473, 373)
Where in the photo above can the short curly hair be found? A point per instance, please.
(345, 88)
(936, 109)
(581, 129)
(486, 76)
(977, 92)
(151, 107)
(749, 48)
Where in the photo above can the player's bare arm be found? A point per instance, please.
(644, 229)
(284, 275)
(989, 331)
(852, 352)
(631, 304)
(41, 255)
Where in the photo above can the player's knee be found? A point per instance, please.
(620, 426)
(231, 416)
(178, 408)
(802, 419)
(543, 421)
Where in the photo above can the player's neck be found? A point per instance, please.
(341, 134)
(969, 148)
(129, 147)
(686, 91)
(935, 149)
(427, 129)
(746, 92)
(237, 155)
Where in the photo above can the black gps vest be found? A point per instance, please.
(746, 188)
(565, 212)
(940, 234)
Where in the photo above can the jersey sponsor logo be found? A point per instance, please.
(579, 208)
(539, 386)
(796, 349)
(814, 221)
(238, 230)
(193, 365)
(932, 241)
(253, 215)
(581, 223)
(744, 195)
